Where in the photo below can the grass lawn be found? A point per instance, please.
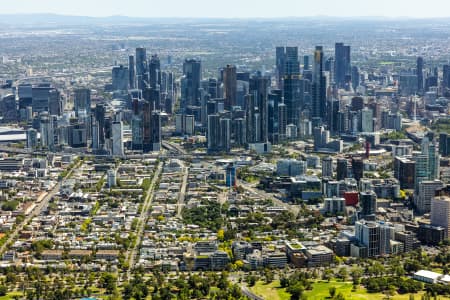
(320, 291)
(9, 296)
(271, 291)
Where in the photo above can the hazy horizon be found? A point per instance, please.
(232, 8)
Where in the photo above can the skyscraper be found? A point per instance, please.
(426, 191)
(275, 100)
(358, 168)
(427, 163)
(229, 86)
(100, 113)
(120, 77)
(82, 102)
(154, 72)
(355, 77)
(32, 140)
(280, 57)
(141, 66)
(259, 88)
(40, 96)
(446, 77)
(95, 141)
(132, 72)
(366, 120)
(368, 202)
(440, 213)
(282, 121)
(213, 133)
(368, 234)
(190, 83)
(342, 169)
(117, 138)
(47, 131)
(327, 167)
(156, 131)
(291, 87)
(225, 135)
(136, 132)
(419, 72)
(444, 144)
(342, 64)
(318, 87)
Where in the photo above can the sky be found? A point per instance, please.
(231, 8)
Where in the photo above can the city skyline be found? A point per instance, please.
(234, 9)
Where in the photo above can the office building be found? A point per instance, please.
(355, 77)
(291, 167)
(120, 77)
(82, 102)
(404, 171)
(366, 120)
(426, 192)
(141, 67)
(358, 168)
(231, 175)
(117, 139)
(259, 88)
(156, 131)
(213, 133)
(341, 169)
(137, 134)
(289, 81)
(32, 139)
(387, 234)
(419, 73)
(40, 97)
(408, 84)
(368, 203)
(77, 135)
(431, 235)
(239, 132)
(446, 77)
(327, 167)
(440, 213)
(319, 256)
(230, 87)
(280, 58)
(318, 87)
(334, 205)
(190, 83)
(225, 135)
(368, 234)
(444, 144)
(132, 72)
(342, 65)
(154, 72)
(47, 131)
(408, 239)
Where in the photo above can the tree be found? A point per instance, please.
(3, 290)
(332, 291)
(108, 282)
(339, 297)
(296, 291)
(343, 273)
(269, 276)
(284, 282)
(356, 274)
(327, 275)
(251, 280)
(221, 235)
